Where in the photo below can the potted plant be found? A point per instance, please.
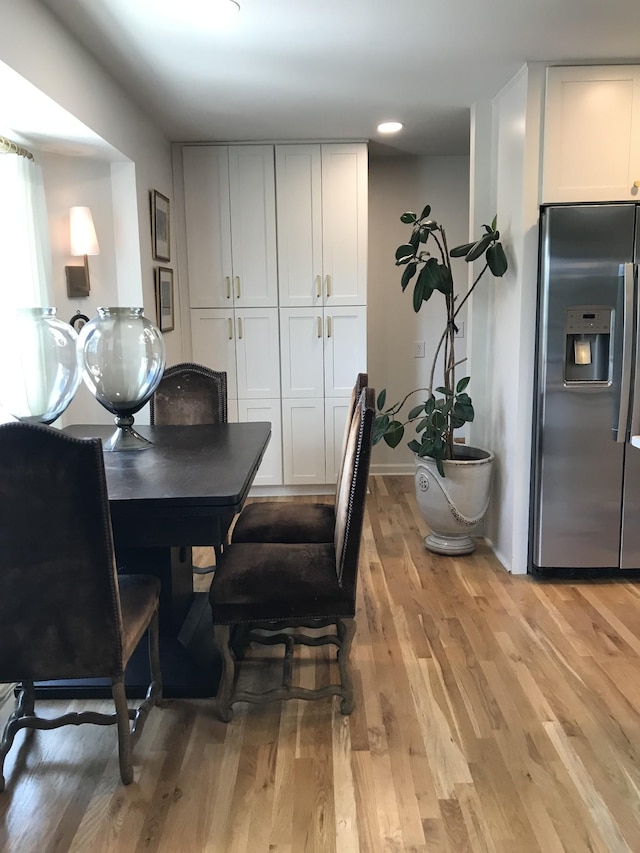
(452, 480)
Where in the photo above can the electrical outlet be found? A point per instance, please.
(418, 349)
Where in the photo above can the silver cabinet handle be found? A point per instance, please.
(327, 279)
(227, 280)
(328, 327)
(239, 328)
(237, 281)
(319, 327)
(318, 286)
(230, 330)
(620, 430)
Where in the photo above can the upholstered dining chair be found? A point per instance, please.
(64, 611)
(292, 521)
(190, 394)
(274, 592)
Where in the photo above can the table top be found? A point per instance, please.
(197, 466)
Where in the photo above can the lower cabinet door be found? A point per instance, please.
(303, 442)
(249, 411)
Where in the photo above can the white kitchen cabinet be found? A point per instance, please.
(322, 222)
(322, 351)
(245, 343)
(230, 225)
(591, 148)
(279, 301)
(312, 433)
(270, 470)
(213, 343)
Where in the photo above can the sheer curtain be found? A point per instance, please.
(25, 272)
(25, 267)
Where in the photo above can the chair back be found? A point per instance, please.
(190, 394)
(362, 381)
(352, 491)
(60, 613)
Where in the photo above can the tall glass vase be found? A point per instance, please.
(123, 358)
(40, 372)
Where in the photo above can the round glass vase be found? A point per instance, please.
(123, 358)
(40, 374)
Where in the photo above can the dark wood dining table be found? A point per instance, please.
(182, 491)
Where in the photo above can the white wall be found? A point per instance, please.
(398, 184)
(37, 47)
(505, 313)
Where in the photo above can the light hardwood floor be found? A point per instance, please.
(493, 713)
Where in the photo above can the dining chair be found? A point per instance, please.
(65, 613)
(274, 592)
(294, 521)
(190, 394)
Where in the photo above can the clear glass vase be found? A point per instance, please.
(40, 372)
(123, 358)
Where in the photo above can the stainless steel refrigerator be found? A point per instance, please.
(585, 516)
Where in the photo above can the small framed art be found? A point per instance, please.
(164, 298)
(160, 226)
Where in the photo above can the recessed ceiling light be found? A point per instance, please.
(390, 127)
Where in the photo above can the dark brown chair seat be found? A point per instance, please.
(64, 611)
(263, 592)
(292, 521)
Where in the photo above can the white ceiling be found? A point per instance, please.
(332, 69)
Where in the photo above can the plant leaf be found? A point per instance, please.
(408, 218)
(442, 390)
(408, 274)
(426, 211)
(445, 283)
(394, 434)
(382, 399)
(461, 251)
(462, 384)
(479, 248)
(404, 253)
(497, 260)
(417, 410)
(414, 445)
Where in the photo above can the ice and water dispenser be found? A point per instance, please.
(587, 356)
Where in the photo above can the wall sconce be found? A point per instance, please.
(83, 242)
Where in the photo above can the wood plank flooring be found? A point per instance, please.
(494, 713)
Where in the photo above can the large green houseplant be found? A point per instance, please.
(447, 407)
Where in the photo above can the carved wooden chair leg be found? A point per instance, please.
(346, 629)
(124, 731)
(154, 659)
(29, 694)
(221, 636)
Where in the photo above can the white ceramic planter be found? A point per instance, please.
(454, 506)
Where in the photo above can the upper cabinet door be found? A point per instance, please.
(252, 196)
(344, 223)
(208, 226)
(591, 149)
(299, 216)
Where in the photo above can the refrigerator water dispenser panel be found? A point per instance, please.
(587, 356)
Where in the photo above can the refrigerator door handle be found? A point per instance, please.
(635, 404)
(620, 431)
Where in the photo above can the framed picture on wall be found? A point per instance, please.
(164, 299)
(160, 227)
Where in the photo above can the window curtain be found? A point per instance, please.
(25, 251)
(25, 275)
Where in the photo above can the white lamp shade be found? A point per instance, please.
(82, 232)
